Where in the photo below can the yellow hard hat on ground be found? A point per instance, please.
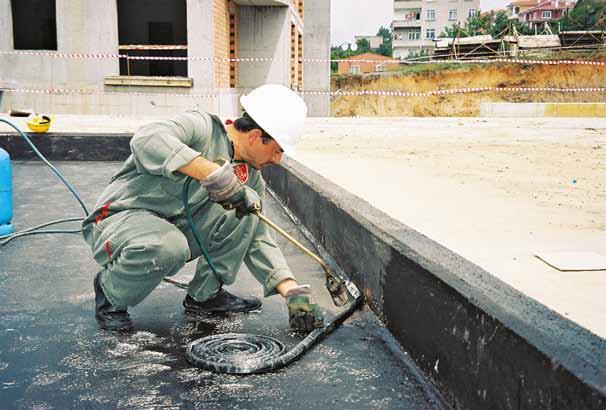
(39, 123)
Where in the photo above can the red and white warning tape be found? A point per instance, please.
(63, 91)
(460, 91)
(385, 93)
(313, 60)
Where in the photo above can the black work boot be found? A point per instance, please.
(222, 302)
(109, 317)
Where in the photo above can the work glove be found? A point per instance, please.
(244, 201)
(224, 188)
(303, 313)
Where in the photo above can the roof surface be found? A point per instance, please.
(367, 56)
(53, 356)
(523, 3)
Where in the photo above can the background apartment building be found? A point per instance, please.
(417, 22)
(280, 33)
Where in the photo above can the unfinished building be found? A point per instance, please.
(145, 57)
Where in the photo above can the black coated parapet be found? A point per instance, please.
(68, 146)
(484, 344)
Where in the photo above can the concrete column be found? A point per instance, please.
(263, 32)
(316, 44)
(77, 32)
(6, 26)
(200, 43)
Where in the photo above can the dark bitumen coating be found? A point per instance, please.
(66, 146)
(483, 343)
(52, 355)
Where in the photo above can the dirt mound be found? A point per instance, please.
(463, 105)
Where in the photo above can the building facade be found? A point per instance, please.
(418, 22)
(517, 7)
(547, 11)
(195, 39)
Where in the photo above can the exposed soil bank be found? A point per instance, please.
(432, 77)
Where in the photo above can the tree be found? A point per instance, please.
(386, 48)
(586, 15)
(499, 24)
(496, 24)
(336, 53)
(385, 33)
(521, 28)
(363, 46)
(474, 26)
(479, 24)
(455, 30)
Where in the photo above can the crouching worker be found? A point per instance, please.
(139, 233)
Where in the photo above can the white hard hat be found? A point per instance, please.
(279, 111)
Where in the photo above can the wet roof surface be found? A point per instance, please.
(52, 355)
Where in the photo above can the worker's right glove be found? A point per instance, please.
(244, 201)
(303, 313)
(224, 188)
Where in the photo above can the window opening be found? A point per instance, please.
(34, 24)
(152, 29)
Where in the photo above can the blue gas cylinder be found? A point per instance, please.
(6, 194)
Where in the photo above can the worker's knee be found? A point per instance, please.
(162, 255)
(232, 230)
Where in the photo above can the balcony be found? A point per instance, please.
(407, 4)
(406, 23)
(263, 2)
(421, 42)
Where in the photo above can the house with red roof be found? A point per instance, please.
(366, 63)
(545, 12)
(518, 6)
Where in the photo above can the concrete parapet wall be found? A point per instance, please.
(484, 344)
(543, 110)
(225, 103)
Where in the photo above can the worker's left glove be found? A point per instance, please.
(303, 313)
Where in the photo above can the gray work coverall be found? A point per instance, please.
(138, 231)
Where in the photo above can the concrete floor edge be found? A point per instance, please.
(483, 343)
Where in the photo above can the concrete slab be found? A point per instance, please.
(53, 356)
(494, 190)
(517, 110)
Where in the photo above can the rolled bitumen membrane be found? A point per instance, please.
(52, 355)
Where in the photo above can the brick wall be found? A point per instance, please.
(293, 57)
(296, 58)
(233, 49)
(221, 34)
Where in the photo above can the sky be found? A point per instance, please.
(364, 17)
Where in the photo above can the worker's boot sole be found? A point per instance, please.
(222, 303)
(115, 321)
